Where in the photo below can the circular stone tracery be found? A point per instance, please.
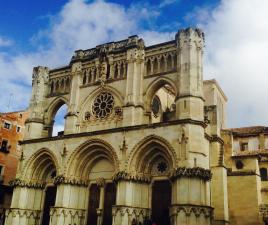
(103, 105)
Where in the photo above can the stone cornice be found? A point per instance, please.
(72, 181)
(34, 120)
(195, 172)
(242, 173)
(214, 138)
(29, 184)
(139, 178)
(119, 129)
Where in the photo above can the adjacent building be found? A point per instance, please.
(11, 132)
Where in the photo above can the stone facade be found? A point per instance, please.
(142, 139)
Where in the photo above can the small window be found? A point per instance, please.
(239, 164)
(263, 174)
(18, 129)
(4, 147)
(7, 125)
(244, 146)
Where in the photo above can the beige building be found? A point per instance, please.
(144, 137)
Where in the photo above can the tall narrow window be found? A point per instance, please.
(263, 174)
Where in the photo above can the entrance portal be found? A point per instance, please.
(161, 201)
(93, 204)
(50, 198)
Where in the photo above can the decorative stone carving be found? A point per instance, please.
(100, 182)
(183, 142)
(70, 215)
(131, 211)
(123, 175)
(60, 179)
(29, 184)
(197, 172)
(109, 48)
(195, 209)
(28, 213)
(118, 111)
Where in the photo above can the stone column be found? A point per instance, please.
(71, 202)
(132, 199)
(27, 203)
(71, 117)
(190, 197)
(133, 110)
(101, 185)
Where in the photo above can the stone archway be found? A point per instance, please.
(154, 158)
(36, 176)
(96, 162)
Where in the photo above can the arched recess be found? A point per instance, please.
(51, 111)
(93, 156)
(162, 91)
(150, 151)
(42, 166)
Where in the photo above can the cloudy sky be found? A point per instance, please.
(47, 32)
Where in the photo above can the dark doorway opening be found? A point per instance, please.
(109, 201)
(50, 197)
(161, 201)
(93, 204)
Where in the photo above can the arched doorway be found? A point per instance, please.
(161, 201)
(42, 170)
(155, 158)
(97, 162)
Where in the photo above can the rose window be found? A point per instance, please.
(103, 105)
(162, 167)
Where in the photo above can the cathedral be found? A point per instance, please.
(144, 139)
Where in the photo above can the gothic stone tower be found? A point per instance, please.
(134, 145)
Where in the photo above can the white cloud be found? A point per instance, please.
(236, 55)
(167, 2)
(4, 42)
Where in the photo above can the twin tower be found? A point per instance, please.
(136, 144)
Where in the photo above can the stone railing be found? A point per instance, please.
(161, 63)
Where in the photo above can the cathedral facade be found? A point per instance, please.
(142, 140)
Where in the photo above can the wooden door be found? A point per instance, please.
(109, 201)
(50, 197)
(93, 204)
(161, 201)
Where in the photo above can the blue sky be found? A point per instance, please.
(20, 21)
(47, 32)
